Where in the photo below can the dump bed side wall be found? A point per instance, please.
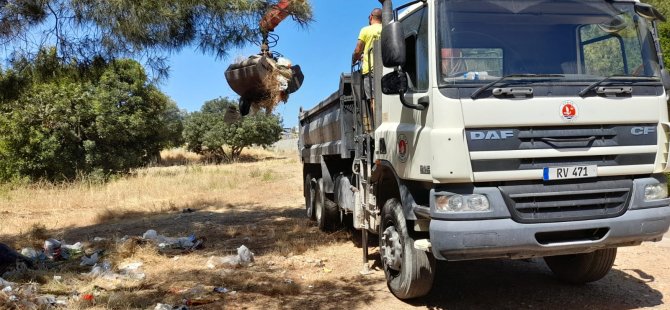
(327, 129)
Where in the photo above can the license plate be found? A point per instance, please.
(564, 173)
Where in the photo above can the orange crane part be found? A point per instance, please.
(275, 16)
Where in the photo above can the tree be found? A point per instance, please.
(64, 119)
(86, 29)
(214, 133)
(663, 28)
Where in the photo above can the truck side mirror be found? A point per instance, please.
(394, 83)
(393, 45)
(665, 78)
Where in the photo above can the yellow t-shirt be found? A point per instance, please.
(368, 35)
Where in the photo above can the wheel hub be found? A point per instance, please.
(392, 248)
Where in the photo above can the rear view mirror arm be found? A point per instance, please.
(423, 104)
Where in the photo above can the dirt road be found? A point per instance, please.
(640, 279)
(297, 266)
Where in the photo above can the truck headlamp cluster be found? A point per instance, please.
(655, 192)
(462, 203)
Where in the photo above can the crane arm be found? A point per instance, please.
(275, 16)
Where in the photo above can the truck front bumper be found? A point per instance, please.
(496, 238)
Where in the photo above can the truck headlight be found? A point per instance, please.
(655, 192)
(462, 203)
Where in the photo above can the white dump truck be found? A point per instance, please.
(500, 129)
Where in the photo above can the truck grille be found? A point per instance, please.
(561, 138)
(577, 200)
(535, 138)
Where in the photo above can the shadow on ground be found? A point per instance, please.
(528, 284)
(490, 284)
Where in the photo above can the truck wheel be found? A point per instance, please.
(582, 268)
(310, 194)
(326, 212)
(409, 272)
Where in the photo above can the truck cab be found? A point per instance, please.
(509, 129)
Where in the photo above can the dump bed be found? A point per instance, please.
(328, 128)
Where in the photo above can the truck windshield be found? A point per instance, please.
(586, 40)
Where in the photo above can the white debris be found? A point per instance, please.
(244, 257)
(30, 253)
(131, 266)
(150, 234)
(4, 283)
(169, 242)
(132, 271)
(77, 247)
(163, 307)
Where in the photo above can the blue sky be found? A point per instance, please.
(323, 51)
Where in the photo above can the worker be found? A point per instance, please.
(364, 53)
(453, 63)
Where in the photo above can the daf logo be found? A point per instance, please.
(639, 131)
(491, 135)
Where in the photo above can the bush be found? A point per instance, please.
(64, 120)
(213, 132)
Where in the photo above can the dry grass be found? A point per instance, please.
(156, 190)
(256, 203)
(182, 157)
(179, 157)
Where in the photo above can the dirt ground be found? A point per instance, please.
(299, 267)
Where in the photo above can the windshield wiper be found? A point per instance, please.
(596, 84)
(486, 87)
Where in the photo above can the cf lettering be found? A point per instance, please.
(639, 131)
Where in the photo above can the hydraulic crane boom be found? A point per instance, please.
(275, 16)
(266, 78)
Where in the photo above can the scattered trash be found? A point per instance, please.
(169, 307)
(186, 243)
(90, 261)
(99, 239)
(326, 270)
(47, 300)
(4, 283)
(73, 248)
(221, 290)
(163, 307)
(100, 270)
(88, 297)
(58, 278)
(132, 271)
(244, 257)
(52, 249)
(30, 253)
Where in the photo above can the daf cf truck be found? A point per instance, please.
(500, 129)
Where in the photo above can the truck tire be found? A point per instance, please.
(409, 272)
(582, 268)
(310, 194)
(325, 210)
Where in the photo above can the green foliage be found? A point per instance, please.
(663, 28)
(64, 120)
(210, 132)
(85, 29)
